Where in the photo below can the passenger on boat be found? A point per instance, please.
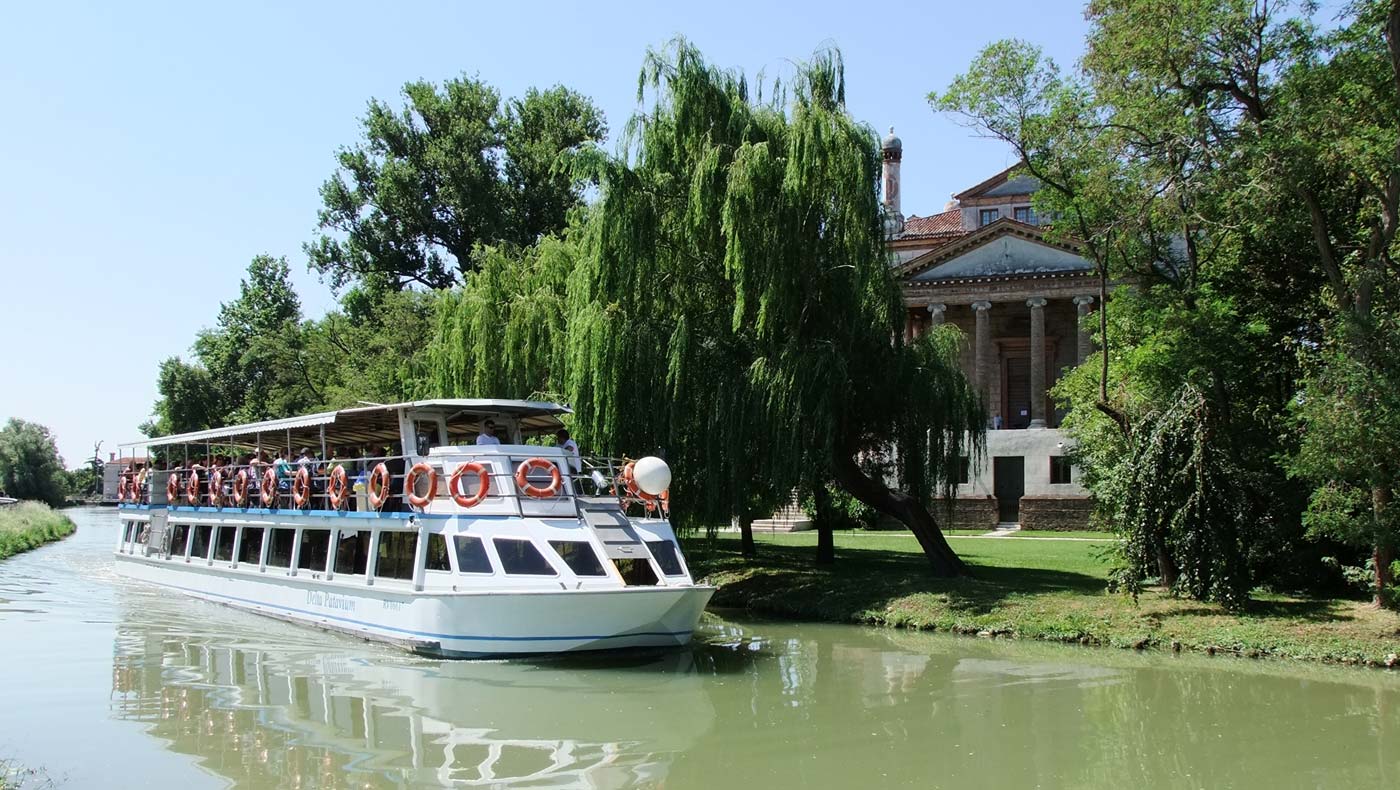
(488, 434)
(562, 439)
(282, 470)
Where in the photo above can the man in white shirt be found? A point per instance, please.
(488, 434)
(562, 439)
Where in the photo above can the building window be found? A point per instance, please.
(987, 216)
(1059, 470)
(1024, 214)
(964, 470)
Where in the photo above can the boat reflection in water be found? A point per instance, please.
(318, 718)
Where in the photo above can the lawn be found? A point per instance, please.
(1027, 588)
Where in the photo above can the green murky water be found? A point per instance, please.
(109, 683)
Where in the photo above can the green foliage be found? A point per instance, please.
(453, 170)
(29, 525)
(251, 366)
(30, 467)
(503, 334)
(736, 301)
(83, 481)
(189, 400)
(1183, 512)
(1348, 414)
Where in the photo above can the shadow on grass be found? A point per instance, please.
(785, 579)
(1313, 610)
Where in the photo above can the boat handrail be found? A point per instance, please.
(595, 478)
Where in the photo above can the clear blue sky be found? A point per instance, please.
(150, 150)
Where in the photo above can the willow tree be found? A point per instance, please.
(503, 333)
(735, 308)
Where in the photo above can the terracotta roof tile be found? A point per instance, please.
(947, 223)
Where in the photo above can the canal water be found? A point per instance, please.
(109, 683)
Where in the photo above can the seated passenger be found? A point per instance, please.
(488, 434)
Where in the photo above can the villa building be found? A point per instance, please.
(986, 265)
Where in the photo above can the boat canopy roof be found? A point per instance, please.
(375, 424)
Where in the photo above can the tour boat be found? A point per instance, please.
(443, 526)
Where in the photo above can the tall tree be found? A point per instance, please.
(451, 170)
(736, 307)
(30, 466)
(189, 400)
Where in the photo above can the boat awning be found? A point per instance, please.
(364, 425)
(222, 435)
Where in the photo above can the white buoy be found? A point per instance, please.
(652, 475)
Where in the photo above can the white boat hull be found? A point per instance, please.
(473, 624)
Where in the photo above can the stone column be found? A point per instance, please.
(1086, 341)
(1037, 306)
(935, 312)
(982, 352)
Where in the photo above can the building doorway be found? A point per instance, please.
(1018, 392)
(1008, 484)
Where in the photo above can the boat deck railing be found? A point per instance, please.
(238, 487)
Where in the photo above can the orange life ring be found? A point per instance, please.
(483, 476)
(379, 486)
(301, 488)
(192, 489)
(172, 488)
(216, 488)
(556, 481)
(240, 488)
(410, 488)
(338, 488)
(635, 491)
(121, 489)
(268, 490)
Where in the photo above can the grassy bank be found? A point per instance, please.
(30, 525)
(1028, 588)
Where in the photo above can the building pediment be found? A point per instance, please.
(1005, 248)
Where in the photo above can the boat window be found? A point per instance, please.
(127, 530)
(352, 553)
(179, 537)
(396, 550)
(636, 572)
(579, 556)
(200, 547)
(520, 557)
(666, 556)
(223, 543)
(471, 555)
(279, 552)
(437, 554)
(250, 550)
(315, 545)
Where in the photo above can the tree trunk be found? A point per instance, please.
(1383, 553)
(899, 505)
(746, 535)
(826, 539)
(1166, 568)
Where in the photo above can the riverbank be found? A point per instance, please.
(1054, 590)
(29, 525)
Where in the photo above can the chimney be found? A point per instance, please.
(111, 457)
(892, 151)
